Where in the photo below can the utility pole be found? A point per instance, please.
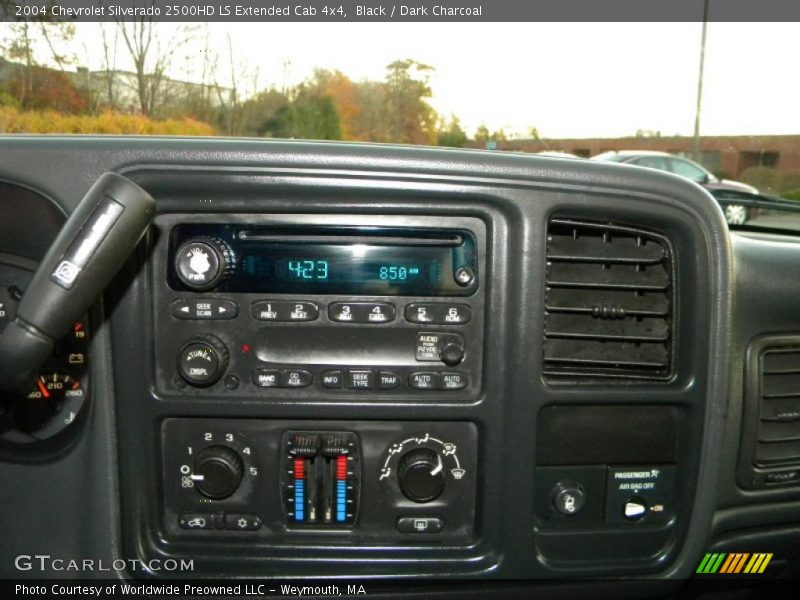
(696, 140)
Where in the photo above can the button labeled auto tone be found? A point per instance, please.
(424, 381)
(361, 312)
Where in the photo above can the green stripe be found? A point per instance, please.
(701, 568)
(718, 564)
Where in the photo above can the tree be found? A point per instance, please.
(151, 57)
(411, 120)
(451, 134)
(344, 93)
(308, 116)
(47, 89)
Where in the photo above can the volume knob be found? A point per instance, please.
(203, 263)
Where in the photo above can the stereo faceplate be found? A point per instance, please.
(313, 346)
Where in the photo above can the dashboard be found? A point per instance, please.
(365, 361)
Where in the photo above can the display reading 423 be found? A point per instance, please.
(308, 270)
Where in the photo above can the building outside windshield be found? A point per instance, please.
(715, 104)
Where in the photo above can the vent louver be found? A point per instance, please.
(609, 302)
(778, 441)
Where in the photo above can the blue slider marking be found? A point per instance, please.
(341, 501)
(299, 500)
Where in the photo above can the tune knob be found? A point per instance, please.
(203, 360)
(218, 472)
(203, 263)
(420, 475)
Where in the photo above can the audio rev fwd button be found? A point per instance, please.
(361, 312)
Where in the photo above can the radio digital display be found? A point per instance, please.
(335, 267)
(337, 261)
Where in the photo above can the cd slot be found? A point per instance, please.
(445, 240)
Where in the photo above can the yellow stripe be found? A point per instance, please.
(727, 563)
(741, 562)
(765, 563)
(752, 566)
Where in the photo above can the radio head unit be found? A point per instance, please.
(324, 260)
(286, 308)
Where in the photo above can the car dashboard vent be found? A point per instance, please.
(609, 302)
(774, 415)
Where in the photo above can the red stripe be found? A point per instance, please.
(341, 467)
(299, 468)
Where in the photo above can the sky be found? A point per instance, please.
(564, 79)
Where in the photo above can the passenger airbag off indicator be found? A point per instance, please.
(640, 494)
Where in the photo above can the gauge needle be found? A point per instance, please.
(45, 393)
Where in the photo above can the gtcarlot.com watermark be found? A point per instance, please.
(40, 563)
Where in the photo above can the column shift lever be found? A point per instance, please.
(90, 248)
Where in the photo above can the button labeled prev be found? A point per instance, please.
(285, 311)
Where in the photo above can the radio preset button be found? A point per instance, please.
(388, 380)
(285, 311)
(361, 312)
(332, 380)
(438, 314)
(270, 378)
(296, 378)
(205, 309)
(453, 381)
(360, 380)
(424, 380)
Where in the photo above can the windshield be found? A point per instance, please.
(718, 94)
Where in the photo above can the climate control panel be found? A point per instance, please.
(372, 481)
